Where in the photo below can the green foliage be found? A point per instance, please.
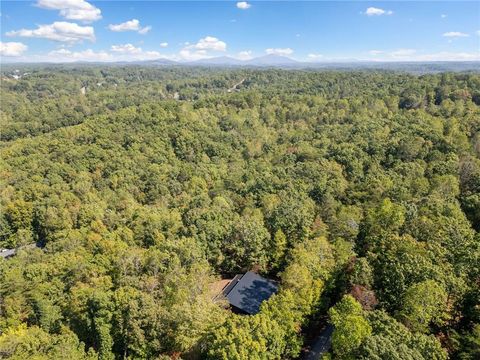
(294, 215)
(157, 182)
(424, 304)
(392, 340)
(33, 343)
(274, 333)
(18, 217)
(279, 247)
(351, 327)
(248, 337)
(362, 273)
(468, 343)
(271, 334)
(411, 99)
(249, 243)
(387, 217)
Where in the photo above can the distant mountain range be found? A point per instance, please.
(267, 60)
(283, 62)
(286, 62)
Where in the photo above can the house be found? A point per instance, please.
(245, 293)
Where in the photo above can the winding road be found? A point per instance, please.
(234, 87)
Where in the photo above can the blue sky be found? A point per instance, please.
(72, 30)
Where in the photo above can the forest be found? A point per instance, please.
(357, 190)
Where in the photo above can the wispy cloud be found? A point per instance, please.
(244, 55)
(397, 55)
(449, 56)
(126, 49)
(402, 53)
(279, 51)
(130, 25)
(144, 30)
(122, 52)
(136, 52)
(58, 31)
(394, 55)
(373, 11)
(455, 34)
(65, 55)
(314, 57)
(415, 55)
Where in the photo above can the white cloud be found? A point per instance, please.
(449, 56)
(12, 48)
(373, 11)
(244, 55)
(164, 44)
(395, 55)
(279, 51)
(130, 25)
(243, 5)
(145, 30)
(202, 49)
(133, 53)
(443, 16)
(314, 56)
(455, 34)
(126, 49)
(151, 55)
(60, 52)
(414, 55)
(125, 52)
(210, 43)
(64, 55)
(192, 55)
(72, 9)
(401, 53)
(58, 31)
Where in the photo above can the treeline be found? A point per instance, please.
(45, 98)
(358, 191)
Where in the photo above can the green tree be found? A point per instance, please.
(392, 340)
(351, 327)
(25, 342)
(278, 249)
(247, 338)
(424, 303)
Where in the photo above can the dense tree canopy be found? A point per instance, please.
(358, 191)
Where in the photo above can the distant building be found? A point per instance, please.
(245, 293)
(6, 253)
